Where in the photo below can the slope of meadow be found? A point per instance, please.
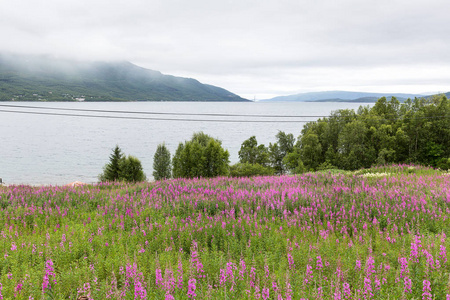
(375, 234)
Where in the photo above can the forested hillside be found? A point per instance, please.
(44, 78)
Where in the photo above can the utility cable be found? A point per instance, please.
(154, 119)
(186, 114)
(159, 113)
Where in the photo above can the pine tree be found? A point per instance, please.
(162, 168)
(111, 171)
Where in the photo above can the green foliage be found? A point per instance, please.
(131, 170)
(279, 150)
(253, 153)
(121, 168)
(202, 156)
(311, 151)
(444, 164)
(285, 142)
(293, 162)
(247, 170)
(162, 163)
(276, 158)
(417, 131)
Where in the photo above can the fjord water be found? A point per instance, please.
(51, 149)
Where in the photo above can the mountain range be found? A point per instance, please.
(342, 96)
(46, 78)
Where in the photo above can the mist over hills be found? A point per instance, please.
(341, 96)
(45, 78)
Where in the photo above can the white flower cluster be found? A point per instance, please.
(375, 174)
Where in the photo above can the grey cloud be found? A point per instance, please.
(227, 42)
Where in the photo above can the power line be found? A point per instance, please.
(155, 119)
(159, 113)
(184, 114)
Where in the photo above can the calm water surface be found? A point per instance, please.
(44, 149)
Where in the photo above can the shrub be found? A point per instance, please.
(131, 170)
(202, 156)
(248, 169)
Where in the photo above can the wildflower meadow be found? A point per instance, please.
(324, 235)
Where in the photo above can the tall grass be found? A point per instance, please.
(315, 236)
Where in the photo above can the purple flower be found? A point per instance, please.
(319, 264)
(408, 284)
(426, 295)
(158, 275)
(191, 288)
(48, 272)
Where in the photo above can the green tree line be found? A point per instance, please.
(416, 131)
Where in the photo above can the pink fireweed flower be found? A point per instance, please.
(169, 297)
(139, 290)
(415, 249)
(137, 279)
(291, 261)
(180, 274)
(288, 291)
(257, 294)
(337, 295)
(169, 282)
(319, 264)
(266, 270)
(158, 279)
(443, 254)
(242, 269)
(426, 295)
(403, 266)
(18, 288)
(370, 266)
(377, 283)
(339, 273)
(408, 284)
(430, 260)
(265, 293)
(48, 272)
(223, 277)
(346, 289)
(274, 286)
(86, 290)
(191, 288)
(320, 292)
(368, 287)
(358, 265)
(308, 274)
(196, 261)
(252, 276)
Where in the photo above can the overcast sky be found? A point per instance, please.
(259, 48)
